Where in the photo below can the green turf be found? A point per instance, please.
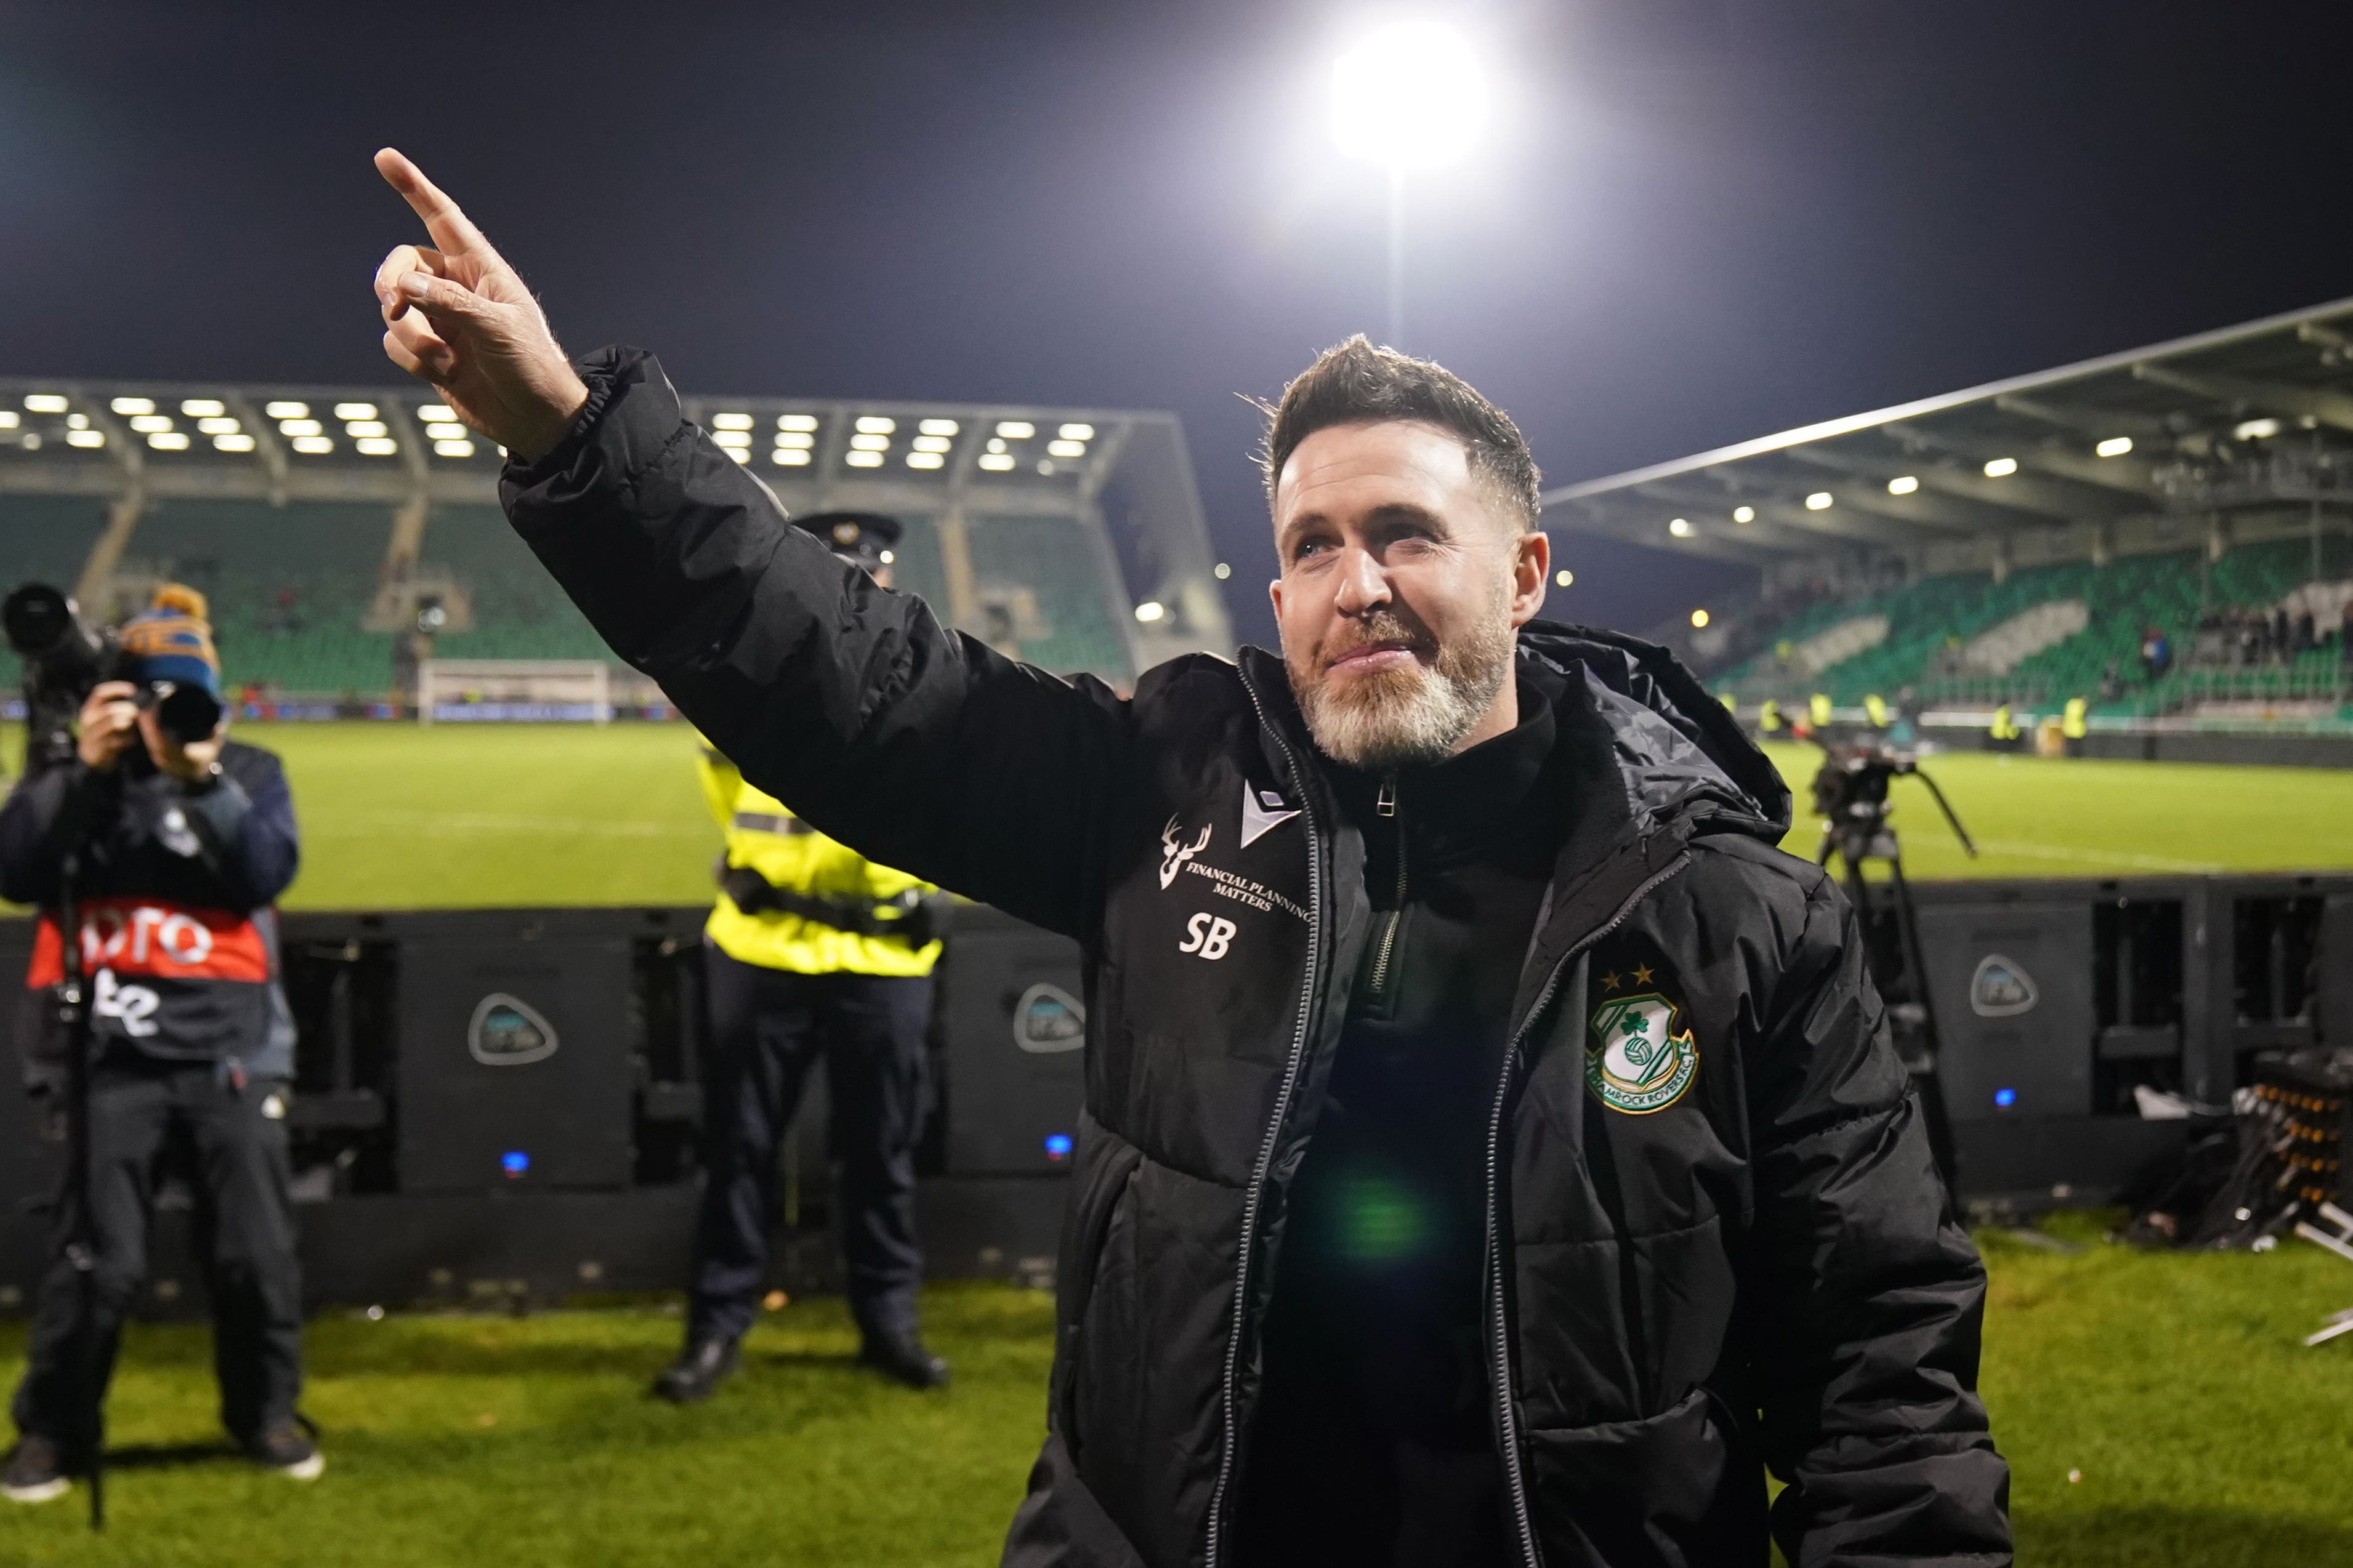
(2205, 1434)
(396, 817)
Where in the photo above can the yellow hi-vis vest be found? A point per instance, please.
(2070, 723)
(2002, 729)
(1818, 709)
(763, 835)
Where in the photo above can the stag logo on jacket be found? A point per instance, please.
(1047, 1020)
(508, 1032)
(2001, 988)
(1642, 1056)
(1178, 853)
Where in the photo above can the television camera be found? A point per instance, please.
(66, 656)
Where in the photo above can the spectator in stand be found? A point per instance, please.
(2279, 625)
(2308, 631)
(2111, 685)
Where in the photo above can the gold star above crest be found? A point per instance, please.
(1641, 974)
(1609, 983)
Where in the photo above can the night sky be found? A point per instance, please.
(1693, 222)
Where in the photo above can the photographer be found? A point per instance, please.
(175, 848)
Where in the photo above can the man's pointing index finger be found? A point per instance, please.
(450, 230)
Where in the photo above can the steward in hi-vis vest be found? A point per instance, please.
(812, 953)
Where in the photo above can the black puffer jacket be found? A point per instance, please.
(1727, 1254)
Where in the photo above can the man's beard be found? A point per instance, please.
(1412, 715)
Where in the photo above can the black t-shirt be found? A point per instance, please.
(1373, 1440)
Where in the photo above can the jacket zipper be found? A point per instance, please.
(1255, 1192)
(1386, 805)
(1499, 1330)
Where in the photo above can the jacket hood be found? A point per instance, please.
(1678, 752)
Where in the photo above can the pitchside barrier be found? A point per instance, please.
(501, 1106)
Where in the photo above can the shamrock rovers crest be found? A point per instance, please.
(1638, 1063)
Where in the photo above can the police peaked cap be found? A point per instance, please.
(859, 537)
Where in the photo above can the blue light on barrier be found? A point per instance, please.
(515, 1162)
(2005, 1098)
(1058, 1145)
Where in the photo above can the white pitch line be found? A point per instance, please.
(2099, 856)
(437, 824)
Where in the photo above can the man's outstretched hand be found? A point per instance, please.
(456, 315)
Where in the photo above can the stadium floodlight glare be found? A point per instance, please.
(939, 428)
(233, 443)
(1744, 514)
(792, 456)
(1077, 432)
(77, 421)
(299, 427)
(1410, 96)
(869, 444)
(367, 428)
(2001, 467)
(1680, 526)
(862, 460)
(168, 440)
(218, 425)
(732, 438)
(1011, 429)
(932, 443)
(1565, 577)
(1221, 571)
(148, 424)
(1902, 484)
(133, 406)
(800, 439)
(997, 462)
(286, 410)
(354, 410)
(203, 408)
(1820, 500)
(925, 461)
(9, 420)
(453, 449)
(45, 403)
(796, 421)
(2114, 447)
(314, 446)
(876, 425)
(731, 422)
(85, 438)
(1067, 448)
(1699, 620)
(377, 445)
(2253, 430)
(1150, 611)
(436, 413)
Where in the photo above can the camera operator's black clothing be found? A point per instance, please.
(768, 1027)
(191, 1045)
(1373, 1444)
(1725, 1251)
(236, 1132)
(175, 888)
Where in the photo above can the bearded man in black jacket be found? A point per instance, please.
(1494, 1154)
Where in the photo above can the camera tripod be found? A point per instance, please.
(1850, 795)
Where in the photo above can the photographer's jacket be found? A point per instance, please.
(179, 937)
(1713, 1231)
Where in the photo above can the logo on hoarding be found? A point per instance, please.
(2001, 988)
(508, 1032)
(1046, 1020)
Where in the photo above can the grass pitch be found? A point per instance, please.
(2204, 1435)
(398, 816)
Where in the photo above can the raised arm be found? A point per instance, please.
(916, 746)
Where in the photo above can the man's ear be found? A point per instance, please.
(1274, 593)
(1531, 568)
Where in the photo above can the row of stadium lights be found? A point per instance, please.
(363, 424)
(1995, 469)
(870, 442)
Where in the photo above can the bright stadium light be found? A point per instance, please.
(2114, 447)
(1150, 611)
(1820, 500)
(1411, 96)
(1680, 526)
(2253, 430)
(1699, 620)
(1744, 514)
(2001, 467)
(1564, 577)
(1902, 484)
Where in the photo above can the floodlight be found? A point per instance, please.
(2001, 467)
(2253, 430)
(299, 427)
(862, 460)
(1067, 448)
(168, 440)
(1680, 526)
(314, 446)
(1410, 96)
(45, 403)
(997, 462)
(9, 420)
(436, 413)
(354, 410)
(1221, 571)
(2114, 447)
(233, 443)
(731, 422)
(938, 427)
(796, 421)
(1150, 611)
(800, 439)
(1744, 514)
(791, 456)
(1902, 484)
(133, 406)
(202, 407)
(862, 442)
(453, 449)
(1564, 577)
(1011, 429)
(876, 425)
(218, 425)
(1077, 432)
(286, 410)
(1820, 500)
(85, 438)
(377, 445)
(372, 428)
(147, 424)
(1699, 620)
(924, 461)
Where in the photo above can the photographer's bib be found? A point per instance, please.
(172, 978)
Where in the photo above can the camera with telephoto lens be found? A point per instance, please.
(66, 656)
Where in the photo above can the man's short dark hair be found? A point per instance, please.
(1357, 383)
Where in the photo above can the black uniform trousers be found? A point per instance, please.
(245, 1221)
(769, 1027)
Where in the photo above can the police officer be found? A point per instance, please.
(181, 847)
(812, 953)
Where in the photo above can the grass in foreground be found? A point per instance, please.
(2206, 1436)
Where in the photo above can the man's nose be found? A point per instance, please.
(1364, 586)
